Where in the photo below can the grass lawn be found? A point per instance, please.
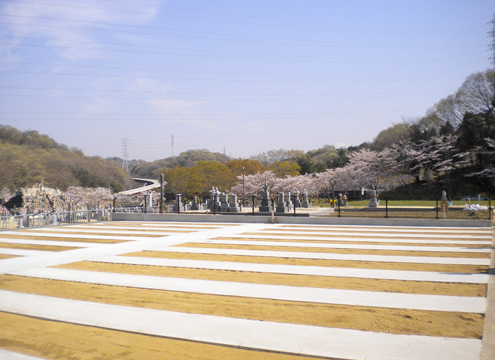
(428, 203)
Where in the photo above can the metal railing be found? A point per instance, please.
(10, 222)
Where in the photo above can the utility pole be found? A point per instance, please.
(125, 155)
(243, 202)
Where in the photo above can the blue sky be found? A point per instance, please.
(240, 77)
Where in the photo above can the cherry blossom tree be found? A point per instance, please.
(81, 196)
(365, 169)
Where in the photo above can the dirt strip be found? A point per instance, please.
(329, 282)
(58, 340)
(445, 243)
(338, 251)
(394, 321)
(36, 247)
(464, 269)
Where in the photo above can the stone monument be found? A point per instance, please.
(214, 203)
(305, 203)
(224, 203)
(266, 205)
(297, 200)
(281, 204)
(194, 204)
(233, 206)
(373, 201)
(177, 203)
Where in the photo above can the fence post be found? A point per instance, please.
(338, 206)
(253, 197)
(489, 208)
(386, 207)
(437, 208)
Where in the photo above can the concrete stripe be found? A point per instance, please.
(371, 235)
(350, 246)
(9, 355)
(329, 256)
(297, 339)
(388, 229)
(275, 292)
(49, 242)
(75, 236)
(404, 275)
(333, 239)
(104, 231)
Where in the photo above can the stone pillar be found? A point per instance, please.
(178, 201)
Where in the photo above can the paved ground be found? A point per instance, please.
(365, 253)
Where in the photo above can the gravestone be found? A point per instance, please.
(297, 200)
(281, 204)
(305, 203)
(224, 203)
(214, 203)
(289, 201)
(233, 207)
(266, 205)
(373, 201)
(177, 203)
(194, 204)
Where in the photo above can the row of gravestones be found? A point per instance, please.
(283, 206)
(219, 201)
(222, 202)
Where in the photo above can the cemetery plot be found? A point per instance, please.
(363, 292)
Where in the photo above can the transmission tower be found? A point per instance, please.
(125, 155)
(172, 142)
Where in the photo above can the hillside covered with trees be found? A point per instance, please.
(27, 158)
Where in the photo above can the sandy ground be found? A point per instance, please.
(57, 340)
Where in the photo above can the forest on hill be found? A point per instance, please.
(28, 158)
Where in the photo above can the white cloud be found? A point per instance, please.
(71, 28)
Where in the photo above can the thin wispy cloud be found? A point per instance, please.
(71, 29)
